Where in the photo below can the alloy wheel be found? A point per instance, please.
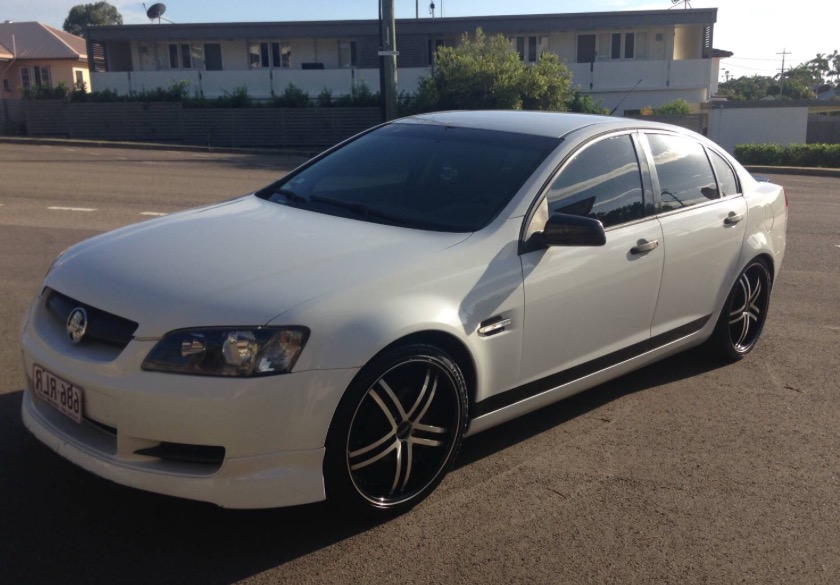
(404, 431)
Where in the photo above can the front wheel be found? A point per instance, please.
(744, 313)
(396, 431)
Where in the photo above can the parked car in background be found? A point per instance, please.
(337, 334)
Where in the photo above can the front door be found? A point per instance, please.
(586, 306)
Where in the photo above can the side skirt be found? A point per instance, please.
(533, 395)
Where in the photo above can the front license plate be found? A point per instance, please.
(61, 394)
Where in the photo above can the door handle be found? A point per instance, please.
(733, 218)
(643, 246)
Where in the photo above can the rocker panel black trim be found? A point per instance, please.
(537, 387)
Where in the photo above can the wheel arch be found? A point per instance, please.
(442, 340)
(448, 343)
(767, 259)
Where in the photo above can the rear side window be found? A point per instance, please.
(602, 182)
(727, 183)
(685, 175)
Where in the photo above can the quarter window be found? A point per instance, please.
(727, 183)
(602, 182)
(685, 176)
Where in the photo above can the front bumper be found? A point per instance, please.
(268, 433)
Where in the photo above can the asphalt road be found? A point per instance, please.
(683, 472)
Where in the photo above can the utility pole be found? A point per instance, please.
(784, 53)
(388, 59)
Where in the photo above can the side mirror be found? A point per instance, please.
(562, 229)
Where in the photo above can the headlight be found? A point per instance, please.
(228, 351)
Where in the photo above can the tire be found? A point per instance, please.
(743, 314)
(396, 431)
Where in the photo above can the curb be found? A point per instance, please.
(308, 153)
(806, 171)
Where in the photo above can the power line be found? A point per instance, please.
(752, 58)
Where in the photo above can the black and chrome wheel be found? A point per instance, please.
(396, 431)
(744, 313)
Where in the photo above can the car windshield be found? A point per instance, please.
(423, 176)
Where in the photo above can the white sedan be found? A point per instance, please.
(337, 334)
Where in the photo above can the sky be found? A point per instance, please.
(756, 31)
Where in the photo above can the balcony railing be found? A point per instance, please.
(601, 76)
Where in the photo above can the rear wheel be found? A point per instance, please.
(744, 313)
(396, 431)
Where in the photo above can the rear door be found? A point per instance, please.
(703, 218)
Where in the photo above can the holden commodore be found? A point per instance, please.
(337, 334)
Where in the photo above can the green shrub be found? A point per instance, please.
(292, 97)
(362, 96)
(45, 92)
(675, 107)
(324, 99)
(237, 98)
(584, 104)
(792, 155)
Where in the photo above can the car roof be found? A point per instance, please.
(551, 124)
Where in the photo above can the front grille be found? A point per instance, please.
(102, 326)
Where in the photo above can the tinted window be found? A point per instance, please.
(727, 183)
(603, 182)
(423, 176)
(685, 176)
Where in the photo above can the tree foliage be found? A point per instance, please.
(84, 15)
(486, 72)
(797, 83)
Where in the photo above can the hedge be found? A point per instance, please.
(793, 155)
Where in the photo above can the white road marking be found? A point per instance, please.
(153, 213)
(56, 208)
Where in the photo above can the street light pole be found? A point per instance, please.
(388, 59)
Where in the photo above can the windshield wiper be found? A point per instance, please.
(359, 209)
(291, 196)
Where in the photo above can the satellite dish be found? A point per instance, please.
(156, 11)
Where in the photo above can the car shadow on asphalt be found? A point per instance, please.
(61, 524)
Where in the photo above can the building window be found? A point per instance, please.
(213, 56)
(35, 77)
(7, 86)
(79, 79)
(186, 57)
(530, 47)
(173, 56)
(586, 48)
(180, 56)
(628, 45)
(269, 54)
(347, 54)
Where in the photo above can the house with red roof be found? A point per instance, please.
(34, 54)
